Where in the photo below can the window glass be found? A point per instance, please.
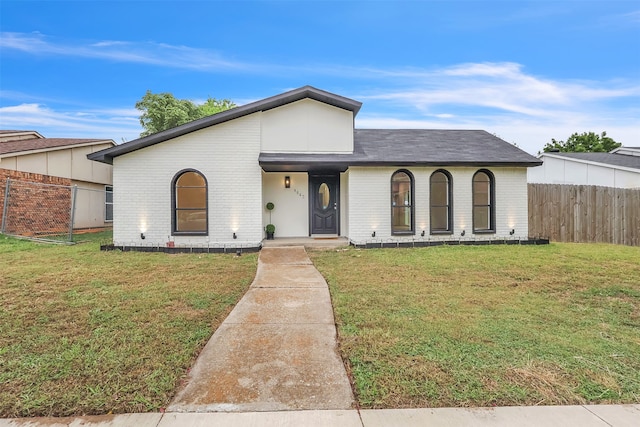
(193, 220)
(440, 193)
(108, 203)
(481, 184)
(190, 203)
(481, 217)
(439, 218)
(191, 197)
(324, 196)
(483, 203)
(401, 203)
(191, 179)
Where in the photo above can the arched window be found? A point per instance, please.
(441, 212)
(189, 203)
(402, 202)
(483, 202)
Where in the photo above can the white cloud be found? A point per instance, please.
(151, 53)
(501, 97)
(529, 134)
(114, 124)
(633, 16)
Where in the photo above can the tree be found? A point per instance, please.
(214, 106)
(587, 142)
(162, 111)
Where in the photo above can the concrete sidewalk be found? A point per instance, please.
(276, 350)
(511, 416)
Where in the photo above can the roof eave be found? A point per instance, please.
(268, 163)
(445, 164)
(234, 113)
(58, 148)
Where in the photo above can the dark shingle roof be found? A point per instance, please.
(17, 146)
(371, 146)
(438, 147)
(406, 147)
(622, 160)
(106, 156)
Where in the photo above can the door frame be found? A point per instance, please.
(312, 197)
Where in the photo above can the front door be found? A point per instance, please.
(324, 204)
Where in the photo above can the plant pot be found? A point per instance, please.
(269, 236)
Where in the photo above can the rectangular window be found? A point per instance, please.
(108, 203)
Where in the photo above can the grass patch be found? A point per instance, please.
(488, 325)
(90, 332)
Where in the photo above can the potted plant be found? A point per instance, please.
(270, 229)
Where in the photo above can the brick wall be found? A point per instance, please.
(226, 154)
(369, 203)
(35, 209)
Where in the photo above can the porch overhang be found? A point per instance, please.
(301, 162)
(279, 162)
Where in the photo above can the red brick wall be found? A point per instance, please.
(35, 209)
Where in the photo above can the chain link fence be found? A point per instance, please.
(51, 211)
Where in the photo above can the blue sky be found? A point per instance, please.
(525, 71)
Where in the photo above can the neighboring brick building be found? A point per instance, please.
(35, 208)
(26, 156)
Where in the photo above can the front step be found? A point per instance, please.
(314, 242)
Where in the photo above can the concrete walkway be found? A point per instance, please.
(307, 242)
(512, 416)
(277, 349)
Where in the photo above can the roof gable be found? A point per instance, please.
(106, 156)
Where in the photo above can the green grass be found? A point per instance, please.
(90, 332)
(488, 325)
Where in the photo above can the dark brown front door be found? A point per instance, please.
(324, 204)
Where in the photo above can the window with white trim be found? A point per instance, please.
(108, 203)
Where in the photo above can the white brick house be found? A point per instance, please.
(205, 184)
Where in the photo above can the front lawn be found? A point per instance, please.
(488, 325)
(90, 332)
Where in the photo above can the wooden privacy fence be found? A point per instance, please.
(584, 213)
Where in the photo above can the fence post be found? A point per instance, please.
(5, 208)
(73, 211)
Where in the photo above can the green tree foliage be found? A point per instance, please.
(587, 142)
(214, 106)
(162, 111)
